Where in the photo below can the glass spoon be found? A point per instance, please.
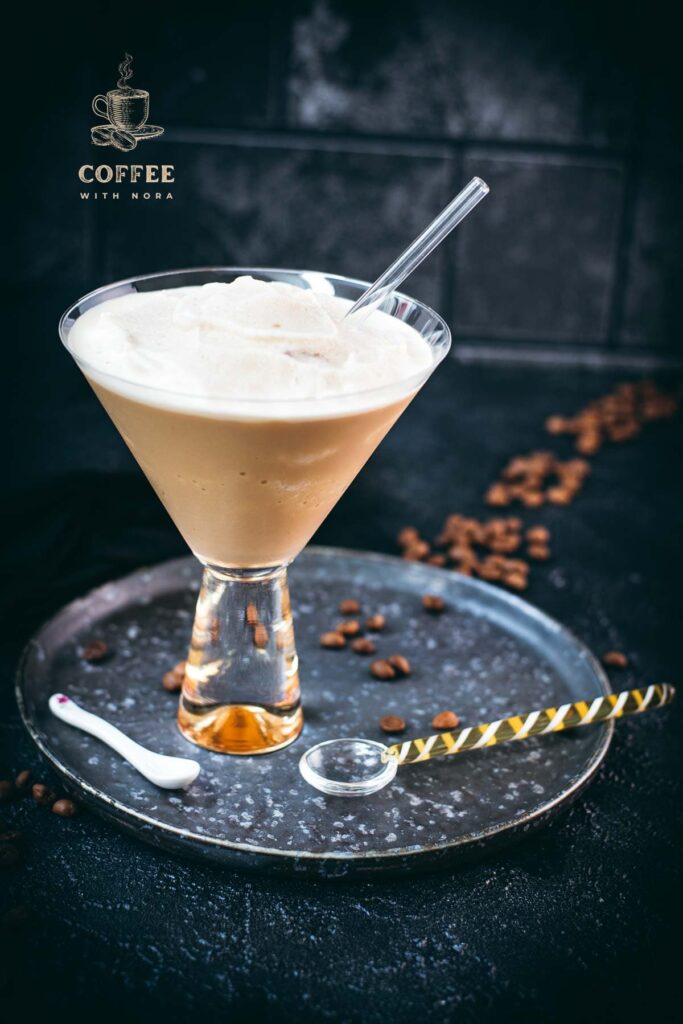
(358, 767)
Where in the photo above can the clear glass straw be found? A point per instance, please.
(424, 244)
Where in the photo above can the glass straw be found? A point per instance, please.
(419, 250)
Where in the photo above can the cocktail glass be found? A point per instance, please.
(247, 483)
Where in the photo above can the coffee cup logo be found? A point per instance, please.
(125, 111)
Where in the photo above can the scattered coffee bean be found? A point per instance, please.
(251, 615)
(559, 495)
(417, 551)
(349, 607)
(64, 808)
(537, 535)
(615, 659)
(532, 499)
(7, 790)
(381, 669)
(12, 836)
(445, 720)
(349, 628)
(539, 552)
(400, 664)
(392, 723)
(498, 495)
(433, 603)
(260, 636)
(517, 581)
(23, 780)
(438, 560)
(171, 682)
(333, 641)
(95, 652)
(9, 855)
(42, 795)
(408, 536)
(617, 416)
(363, 645)
(555, 424)
(375, 623)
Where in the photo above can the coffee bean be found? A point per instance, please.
(556, 425)
(539, 552)
(560, 495)
(516, 580)
(445, 720)
(349, 607)
(363, 645)
(333, 641)
(348, 628)
(251, 615)
(7, 790)
(400, 664)
(588, 443)
(490, 570)
(42, 795)
(11, 837)
(9, 855)
(392, 723)
(532, 499)
(375, 623)
(260, 636)
(408, 536)
(23, 780)
(64, 808)
(381, 669)
(172, 681)
(416, 551)
(615, 659)
(497, 495)
(537, 535)
(438, 560)
(95, 652)
(433, 603)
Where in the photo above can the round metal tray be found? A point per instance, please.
(489, 655)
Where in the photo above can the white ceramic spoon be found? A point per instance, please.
(162, 770)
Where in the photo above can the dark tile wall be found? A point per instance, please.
(328, 132)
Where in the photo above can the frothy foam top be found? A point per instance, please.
(246, 340)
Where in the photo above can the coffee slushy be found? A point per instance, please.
(250, 406)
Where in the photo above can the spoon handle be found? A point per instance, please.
(161, 769)
(532, 723)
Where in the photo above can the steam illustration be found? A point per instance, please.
(126, 72)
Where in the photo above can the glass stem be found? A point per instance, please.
(241, 689)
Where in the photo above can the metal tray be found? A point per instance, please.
(490, 654)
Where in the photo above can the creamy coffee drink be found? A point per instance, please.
(250, 406)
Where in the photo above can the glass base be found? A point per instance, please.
(240, 728)
(241, 687)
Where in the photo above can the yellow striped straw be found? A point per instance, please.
(532, 723)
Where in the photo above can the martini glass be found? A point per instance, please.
(247, 483)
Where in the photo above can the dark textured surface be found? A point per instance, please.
(489, 655)
(576, 923)
(327, 132)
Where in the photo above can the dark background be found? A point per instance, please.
(326, 135)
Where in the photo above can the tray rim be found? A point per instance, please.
(106, 806)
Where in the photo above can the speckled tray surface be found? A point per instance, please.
(490, 654)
